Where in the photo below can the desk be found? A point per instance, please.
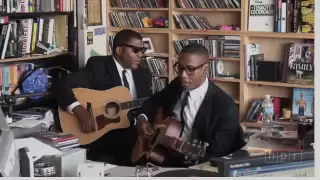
(123, 171)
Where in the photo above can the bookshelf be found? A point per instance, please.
(271, 45)
(55, 27)
(65, 33)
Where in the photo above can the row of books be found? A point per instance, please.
(266, 16)
(281, 16)
(28, 6)
(218, 46)
(208, 3)
(297, 67)
(10, 74)
(139, 3)
(32, 36)
(133, 19)
(158, 84)
(189, 21)
(157, 66)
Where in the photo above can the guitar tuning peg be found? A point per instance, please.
(199, 144)
(195, 141)
(205, 144)
(186, 157)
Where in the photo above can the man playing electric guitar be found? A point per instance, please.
(102, 73)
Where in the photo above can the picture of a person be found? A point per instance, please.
(302, 105)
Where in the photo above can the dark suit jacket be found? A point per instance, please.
(100, 73)
(217, 120)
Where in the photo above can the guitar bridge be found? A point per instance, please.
(89, 108)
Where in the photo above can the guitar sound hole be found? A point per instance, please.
(112, 109)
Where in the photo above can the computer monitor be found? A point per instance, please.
(294, 163)
(9, 159)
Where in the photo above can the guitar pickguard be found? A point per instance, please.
(103, 121)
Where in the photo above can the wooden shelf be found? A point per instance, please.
(218, 58)
(33, 57)
(206, 32)
(142, 30)
(161, 76)
(225, 58)
(281, 35)
(225, 80)
(279, 84)
(138, 9)
(207, 9)
(164, 55)
(35, 14)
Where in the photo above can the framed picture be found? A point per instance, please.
(147, 43)
(94, 12)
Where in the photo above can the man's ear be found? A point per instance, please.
(205, 69)
(119, 50)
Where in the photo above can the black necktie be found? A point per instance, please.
(184, 103)
(125, 81)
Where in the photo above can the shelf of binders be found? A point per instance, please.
(35, 14)
(34, 57)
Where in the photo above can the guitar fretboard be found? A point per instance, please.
(132, 104)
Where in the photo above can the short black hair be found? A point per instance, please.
(195, 49)
(123, 37)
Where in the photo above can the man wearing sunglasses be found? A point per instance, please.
(206, 112)
(102, 73)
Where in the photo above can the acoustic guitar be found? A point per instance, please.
(165, 143)
(109, 109)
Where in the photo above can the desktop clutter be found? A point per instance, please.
(30, 147)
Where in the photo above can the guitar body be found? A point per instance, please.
(152, 149)
(158, 152)
(165, 143)
(106, 111)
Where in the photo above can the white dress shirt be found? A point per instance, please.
(130, 80)
(190, 111)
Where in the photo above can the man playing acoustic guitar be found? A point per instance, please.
(102, 73)
(206, 112)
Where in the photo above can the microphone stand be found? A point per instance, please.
(10, 100)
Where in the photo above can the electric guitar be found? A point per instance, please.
(165, 143)
(108, 108)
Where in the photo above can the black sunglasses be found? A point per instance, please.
(136, 49)
(189, 70)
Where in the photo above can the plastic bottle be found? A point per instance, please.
(267, 114)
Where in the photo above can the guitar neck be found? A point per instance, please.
(171, 142)
(132, 104)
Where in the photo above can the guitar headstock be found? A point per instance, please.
(192, 151)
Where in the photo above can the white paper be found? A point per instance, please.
(37, 148)
(26, 123)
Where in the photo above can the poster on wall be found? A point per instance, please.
(94, 12)
(94, 35)
(89, 38)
